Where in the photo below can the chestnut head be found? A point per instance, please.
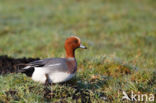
(73, 43)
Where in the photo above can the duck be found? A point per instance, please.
(55, 70)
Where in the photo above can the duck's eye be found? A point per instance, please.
(75, 41)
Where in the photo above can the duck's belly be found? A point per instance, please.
(39, 75)
(60, 77)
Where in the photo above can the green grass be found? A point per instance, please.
(120, 36)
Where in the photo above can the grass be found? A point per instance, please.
(120, 35)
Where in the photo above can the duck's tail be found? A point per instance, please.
(28, 70)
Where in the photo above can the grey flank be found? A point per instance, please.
(51, 64)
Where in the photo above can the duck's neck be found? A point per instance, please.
(70, 53)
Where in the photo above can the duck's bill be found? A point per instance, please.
(83, 47)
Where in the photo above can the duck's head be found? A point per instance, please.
(71, 44)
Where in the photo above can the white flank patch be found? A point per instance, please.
(57, 77)
(60, 77)
(39, 75)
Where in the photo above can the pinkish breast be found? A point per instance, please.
(72, 65)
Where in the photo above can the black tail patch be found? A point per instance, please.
(28, 71)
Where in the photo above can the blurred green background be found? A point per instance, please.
(38, 28)
(120, 29)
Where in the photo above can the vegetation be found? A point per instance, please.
(120, 36)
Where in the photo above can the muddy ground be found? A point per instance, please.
(13, 65)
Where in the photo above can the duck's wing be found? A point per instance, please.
(38, 63)
(46, 62)
(49, 64)
(29, 69)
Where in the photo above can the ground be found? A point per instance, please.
(120, 36)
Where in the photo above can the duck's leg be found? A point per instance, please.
(47, 88)
(48, 82)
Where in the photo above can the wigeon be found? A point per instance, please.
(55, 70)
